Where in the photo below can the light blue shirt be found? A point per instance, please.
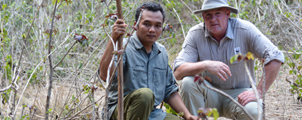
(241, 37)
(141, 71)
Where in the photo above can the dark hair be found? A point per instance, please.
(151, 6)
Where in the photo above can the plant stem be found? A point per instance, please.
(254, 88)
(65, 55)
(50, 64)
(120, 77)
(182, 28)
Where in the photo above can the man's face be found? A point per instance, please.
(149, 27)
(216, 21)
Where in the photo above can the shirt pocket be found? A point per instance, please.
(159, 78)
(139, 76)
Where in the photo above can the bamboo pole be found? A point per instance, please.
(120, 67)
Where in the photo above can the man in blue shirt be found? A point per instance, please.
(148, 78)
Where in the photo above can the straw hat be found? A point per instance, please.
(213, 4)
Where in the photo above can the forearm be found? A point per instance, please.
(105, 61)
(271, 73)
(189, 69)
(176, 104)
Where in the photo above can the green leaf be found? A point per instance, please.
(299, 67)
(4, 6)
(23, 36)
(49, 110)
(73, 98)
(215, 113)
(292, 65)
(54, 1)
(288, 14)
(292, 71)
(81, 65)
(296, 56)
(233, 59)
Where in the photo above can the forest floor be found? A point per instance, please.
(279, 101)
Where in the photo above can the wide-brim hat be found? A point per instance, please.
(213, 4)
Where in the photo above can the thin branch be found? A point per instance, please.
(50, 64)
(182, 28)
(292, 83)
(190, 10)
(228, 96)
(31, 75)
(4, 89)
(112, 59)
(32, 116)
(83, 109)
(288, 18)
(254, 88)
(92, 94)
(65, 54)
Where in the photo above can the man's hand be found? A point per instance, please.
(118, 29)
(246, 97)
(218, 68)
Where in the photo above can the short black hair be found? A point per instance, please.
(151, 6)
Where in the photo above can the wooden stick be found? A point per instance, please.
(120, 77)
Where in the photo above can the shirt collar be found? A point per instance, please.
(139, 45)
(229, 32)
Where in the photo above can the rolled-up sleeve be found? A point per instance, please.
(171, 85)
(262, 47)
(188, 53)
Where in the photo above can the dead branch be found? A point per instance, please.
(50, 64)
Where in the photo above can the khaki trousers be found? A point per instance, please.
(195, 96)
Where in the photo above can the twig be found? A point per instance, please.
(32, 116)
(288, 18)
(293, 83)
(92, 94)
(14, 104)
(54, 109)
(228, 96)
(182, 28)
(112, 59)
(65, 54)
(131, 9)
(31, 75)
(4, 89)
(22, 111)
(83, 109)
(76, 106)
(27, 34)
(254, 88)
(50, 64)
(190, 10)
(69, 92)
